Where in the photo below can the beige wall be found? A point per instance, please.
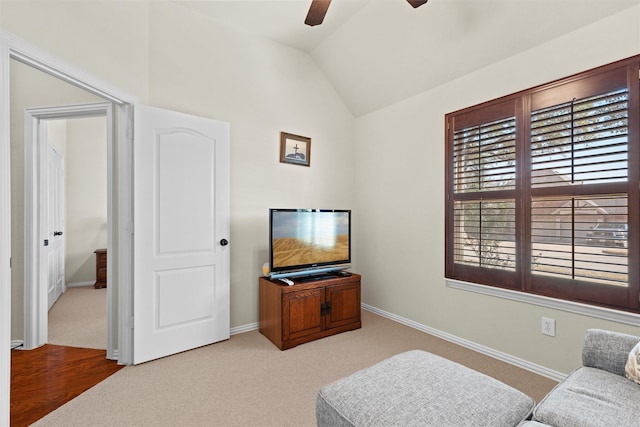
(109, 39)
(173, 58)
(402, 257)
(86, 197)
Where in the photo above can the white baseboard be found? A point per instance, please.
(80, 284)
(512, 360)
(507, 358)
(244, 328)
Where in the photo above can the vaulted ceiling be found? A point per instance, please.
(379, 52)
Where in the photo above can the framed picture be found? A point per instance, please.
(295, 149)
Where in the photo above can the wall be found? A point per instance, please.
(108, 39)
(402, 257)
(173, 58)
(86, 197)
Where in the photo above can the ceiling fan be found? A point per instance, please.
(318, 10)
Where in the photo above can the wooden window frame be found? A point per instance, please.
(521, 278)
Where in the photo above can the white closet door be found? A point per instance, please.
(54, 216)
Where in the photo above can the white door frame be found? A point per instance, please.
(12, 47)
(35, 295)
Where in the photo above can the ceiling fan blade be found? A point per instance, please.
(416, 3)
(316, 13)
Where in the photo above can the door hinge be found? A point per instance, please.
(130, 227)
(130, 322)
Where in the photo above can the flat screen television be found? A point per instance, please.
(308, 241)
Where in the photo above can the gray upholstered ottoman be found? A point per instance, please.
(417, 388)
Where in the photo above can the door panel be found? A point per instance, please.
(302, 313)
(345, 304)
(191, 227)
(181, 214)
(177, 307)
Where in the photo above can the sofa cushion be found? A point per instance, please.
(633, 364)
(592, 397)
(419, 388)
(607, 350)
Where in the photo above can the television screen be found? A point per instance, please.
(309, 238)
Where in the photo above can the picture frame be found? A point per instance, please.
(295, 149)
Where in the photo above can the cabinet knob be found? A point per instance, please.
(224, 242)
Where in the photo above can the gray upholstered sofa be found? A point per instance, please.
(598, 393)
(417, 388)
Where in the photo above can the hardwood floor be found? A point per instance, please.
(49, 376)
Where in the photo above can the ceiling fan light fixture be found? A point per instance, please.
(416, 3)
(317, 11)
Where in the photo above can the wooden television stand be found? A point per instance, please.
(308, 310)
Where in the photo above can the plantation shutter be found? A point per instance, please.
(543, 189)
(483, 191)
(579, 162)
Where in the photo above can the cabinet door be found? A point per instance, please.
(345, 304)
(301, 313)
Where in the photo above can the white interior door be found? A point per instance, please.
(181, 232)
(54, 217)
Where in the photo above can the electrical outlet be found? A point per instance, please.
(548, 326)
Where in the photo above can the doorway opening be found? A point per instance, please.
(39, 234)
(27, 301)
(76, 212)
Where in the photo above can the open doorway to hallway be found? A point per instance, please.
(78, 317)
(81, 141)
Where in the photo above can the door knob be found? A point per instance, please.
(224, 242)
(57, 233)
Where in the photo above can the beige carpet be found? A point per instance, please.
(79, 318)
(247, 381)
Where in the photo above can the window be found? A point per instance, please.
(543, 189)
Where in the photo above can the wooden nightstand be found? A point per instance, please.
(101, 268)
